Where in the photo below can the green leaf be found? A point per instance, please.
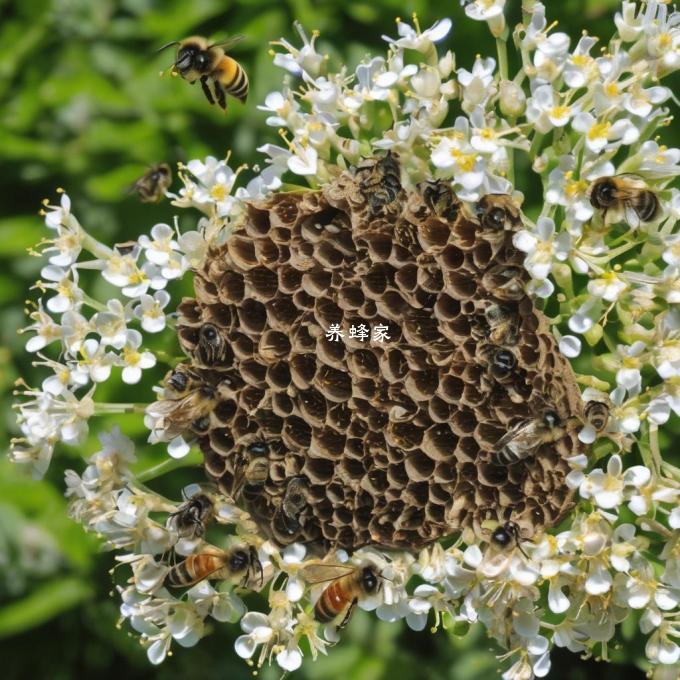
(45, 602)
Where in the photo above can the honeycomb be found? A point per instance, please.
(341, 443)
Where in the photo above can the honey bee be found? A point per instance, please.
(293, 503)
(507, 536)
(198, 60)
(212, 347)
(348, 585)
(238, 562)
(440, 199)
(503, 324)
(180, 381)
(503, 363)
(503, 540)
(524, 439)
(497, 212)
(153, 184)
(252, 471)
(193, 516)
(379, 181)
(505, 282)
(597, 414)
(627, 196)
(189, 409)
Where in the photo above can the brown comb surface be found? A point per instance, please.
(389, 443)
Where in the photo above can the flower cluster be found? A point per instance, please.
(613, 276)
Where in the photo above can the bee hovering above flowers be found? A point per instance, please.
(153, 184)
(199, 60)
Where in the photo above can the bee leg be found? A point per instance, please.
(348, 615)
(221, 96)
(206, 89)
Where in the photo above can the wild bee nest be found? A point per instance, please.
(337, 440)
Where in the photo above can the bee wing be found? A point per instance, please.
(323, 573)
(631, 216)
(634, 181)
(228, 42)
(163, 407)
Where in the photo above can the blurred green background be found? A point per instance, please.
(82, 107)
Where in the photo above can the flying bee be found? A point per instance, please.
(153, 184)
(498, 212)
(597, 414)
(627, 196)
(440, 199)
(505, 282)
(192, 517)
(239, 562)
(286, 518)
(212, 347)
(348, 584)
(188, 412)
(503, 324)
(198, 60)
(379, 181)
(526, 437)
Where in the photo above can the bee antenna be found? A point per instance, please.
(165, 47)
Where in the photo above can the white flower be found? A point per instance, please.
(658, 161)
(628, 376)
(95, 361)
(609, 286)
(541, 247)
(47, 331)
(306, 59)
(483, 10)
(304, 160)
(581, 68)
(110, 324)
(603, 134)
(640, 101)
(545, 112)
(150, 311)
(282, 106)
(159, 249)
(477, 84)
(132, 360)
(411, 39)
(69, 295)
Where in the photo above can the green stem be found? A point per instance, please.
(535, 145)
(93, 246)
(502, 50)
(104, 408)
(193, 459)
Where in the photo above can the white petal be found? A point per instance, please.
(245, 646)
(289, 659)
(570, 346)
(178, 448)
(158, 650)
(132, 375)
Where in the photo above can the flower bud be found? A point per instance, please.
(513, 101)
